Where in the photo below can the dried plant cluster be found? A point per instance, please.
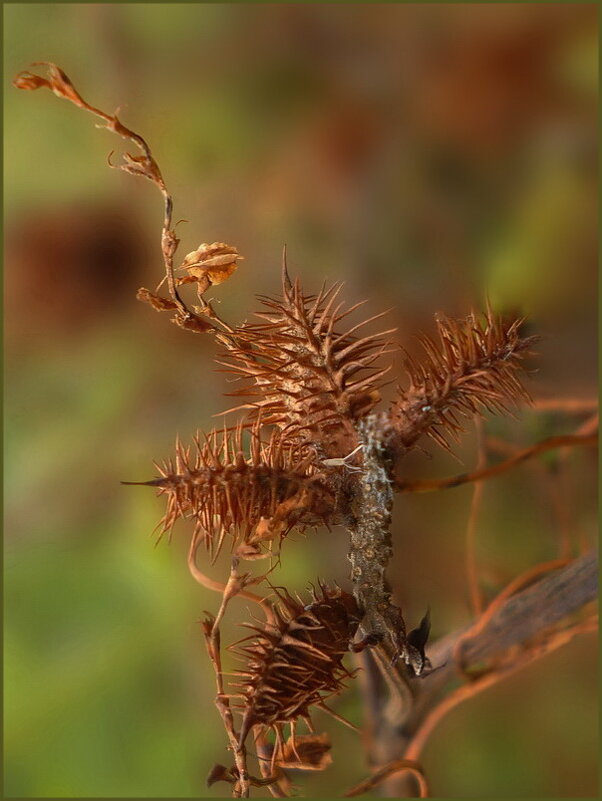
(311, 448)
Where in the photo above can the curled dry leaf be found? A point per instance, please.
(277, 524)
(57, 82)
(28, 81)
(144, 166)
(251, 552)
(220, 773)
(189, 320)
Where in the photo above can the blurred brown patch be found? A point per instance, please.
(68, 268)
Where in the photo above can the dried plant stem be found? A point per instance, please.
(212, 637)
(169, 245)
(524, 614)
(371, 550)
(218, 586)
(567, 440)
(472, 576)
(387, 771)
(146, 167)
(371, 547)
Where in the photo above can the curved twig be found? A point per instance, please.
(388, 771)
(218, 586)
(430, 485)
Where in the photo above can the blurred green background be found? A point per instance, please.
(427, 155)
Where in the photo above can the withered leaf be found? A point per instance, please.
(220, 773)
(137, 165)
(306, 752)
(57, 82)
(192, 322)
(269, 528)
(156, 301)
(29, 82)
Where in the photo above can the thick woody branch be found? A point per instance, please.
(522, 617)
(505, 636)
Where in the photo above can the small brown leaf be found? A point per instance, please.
(220, 773)
(137, 165)
(156, 301)
(207, 624)
(191, 322)
(269, 528)
(28, 81)
(60, 83)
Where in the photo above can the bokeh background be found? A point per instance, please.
(428, 155)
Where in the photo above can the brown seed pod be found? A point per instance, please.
(295, 662)
(250, 497)
(307, 378)
(475, 365)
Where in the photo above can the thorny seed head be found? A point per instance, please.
(251, 497)
(476, 365)
(296, 662)
(308, 378)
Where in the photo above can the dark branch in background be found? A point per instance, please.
(530, 612)
(522, 628)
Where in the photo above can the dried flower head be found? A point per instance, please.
(209, 264)
(295, 662)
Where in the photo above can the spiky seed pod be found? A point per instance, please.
(295, 662)
(309, 379)
(475, 365)
(249, 497)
